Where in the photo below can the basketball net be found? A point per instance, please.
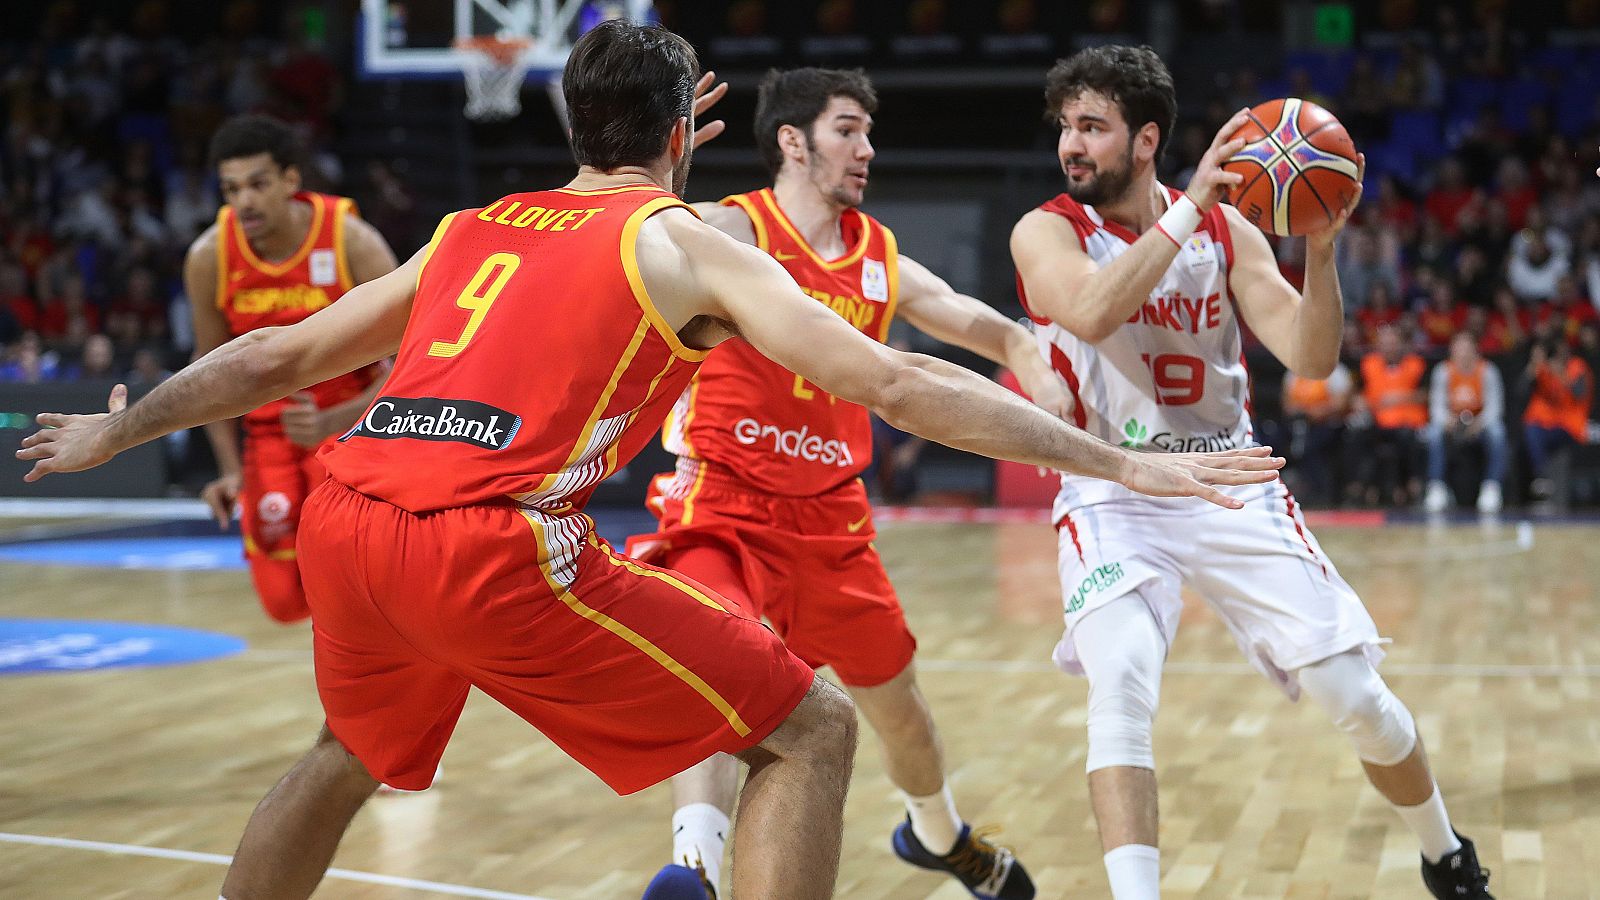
(494, 69)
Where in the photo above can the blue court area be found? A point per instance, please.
(198, 545)
(31, 646)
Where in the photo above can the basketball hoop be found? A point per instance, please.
(494, 69)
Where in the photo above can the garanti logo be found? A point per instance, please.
(1134, 434)
(432, 419)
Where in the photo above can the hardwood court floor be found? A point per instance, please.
(1496, 646)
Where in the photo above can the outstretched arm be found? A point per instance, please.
(695, 268)
(936, 309)
(255, 368)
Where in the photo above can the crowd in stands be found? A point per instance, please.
(104, 181)
(1482, 218)
(1471, 282)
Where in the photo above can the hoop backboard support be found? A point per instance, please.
(416, 39)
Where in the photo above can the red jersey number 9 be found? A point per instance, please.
(476, 299)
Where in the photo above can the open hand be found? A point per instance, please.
(69, 443)
(1209, 182)
(705, 97)
(1193, 474)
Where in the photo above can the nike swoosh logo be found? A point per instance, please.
(784, 257)
(858, 524)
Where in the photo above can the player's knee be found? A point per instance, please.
(821, 728)
(1362, 707)
(1122, 652)
(277, 583)
(1122, 713)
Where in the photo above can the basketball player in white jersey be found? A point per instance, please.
(1136, 289)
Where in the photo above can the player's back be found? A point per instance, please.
(533, 364)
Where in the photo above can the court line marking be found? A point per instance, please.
(1182, 667)
(1441, 670)
(416, 884)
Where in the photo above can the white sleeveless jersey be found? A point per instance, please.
(1172, 378)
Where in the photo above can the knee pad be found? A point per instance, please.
(1122, 651)
(1362, 706)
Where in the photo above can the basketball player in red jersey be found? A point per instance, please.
(767, 505)
(276, 255)
(541, 341)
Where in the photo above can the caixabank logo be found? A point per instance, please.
(433, 419)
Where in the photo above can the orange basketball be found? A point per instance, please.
(1299, 167)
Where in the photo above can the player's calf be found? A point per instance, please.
(791, 811)
(1385, 738)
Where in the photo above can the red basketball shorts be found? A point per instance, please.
(807, 564)
(635, 672)
(278, 476)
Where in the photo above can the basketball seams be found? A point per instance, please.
(1283, 163)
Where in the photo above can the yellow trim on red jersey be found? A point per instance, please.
(630, 265)
(433, 243)
(757, 220)
(649, 395)
(276, 270)
(891, 262)
(637, 569)
(343, 207)
(598, 192)
(849, 259)
(582, 442)
(694, 491)
(224, 235)
(639, 641)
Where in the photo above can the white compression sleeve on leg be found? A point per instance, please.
(1122, 651)
(1362, 706)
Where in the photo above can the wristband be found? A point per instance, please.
(1180, 220)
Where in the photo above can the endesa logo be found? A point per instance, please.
(795, 443)
(432, 419)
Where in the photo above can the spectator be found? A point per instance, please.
(1365, 106)
(1466, 402)
(138, 317)
(1361, 262)
(1535, 267)
(1394, 209)
(1513, 189)
(99, 361)
(1569, 310)
(1417, 82)
(1450, 195)
(1506, 328)
(1392, 390)
(147, 370)
(14, 298)
(67, 318)
(1561, 387)
(27, 362)
(1380, 309)
(1317, 409)
(1474, 281)
(190, 208)
(1442, 318)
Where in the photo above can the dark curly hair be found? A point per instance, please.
(797, 97)
(1134, 78)
(252, 135)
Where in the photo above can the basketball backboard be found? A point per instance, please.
(423, 38)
